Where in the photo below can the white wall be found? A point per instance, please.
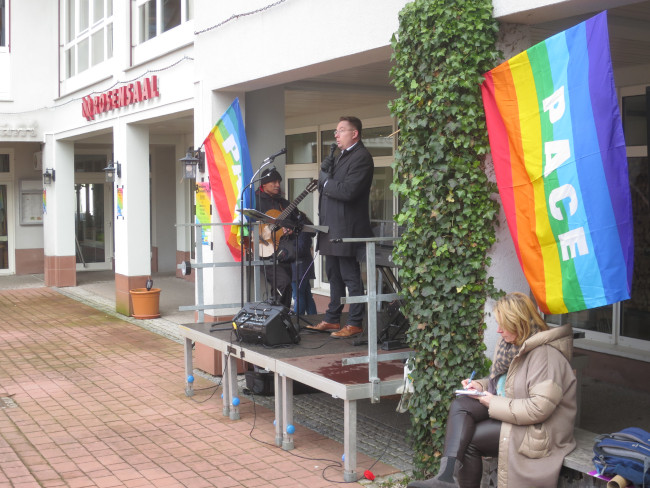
(289, 40)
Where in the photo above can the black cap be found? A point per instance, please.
(269, 175)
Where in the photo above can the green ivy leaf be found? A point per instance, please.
(440, 52)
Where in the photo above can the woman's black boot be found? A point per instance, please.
(444, 479)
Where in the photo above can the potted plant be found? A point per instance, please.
(146, 301)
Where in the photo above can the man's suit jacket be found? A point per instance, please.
(344, 202)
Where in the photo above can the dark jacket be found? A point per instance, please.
(265, 202)
(344, 202)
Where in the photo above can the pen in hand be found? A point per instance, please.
(471, 377)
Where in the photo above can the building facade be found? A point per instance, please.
(133, 84)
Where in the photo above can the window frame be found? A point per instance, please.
(7, 179)
(74, 36)
(187, 9)
(615, 343)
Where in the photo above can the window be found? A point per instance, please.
(88, 34)
(625, 323)
(4, 163)
(3, 23)
(158, 16)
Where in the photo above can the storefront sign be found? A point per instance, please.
(130, 94)
(17, 131)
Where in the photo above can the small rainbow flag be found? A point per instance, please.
(229, 164)
(559, 157)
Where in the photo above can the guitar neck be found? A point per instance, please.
(292, 206)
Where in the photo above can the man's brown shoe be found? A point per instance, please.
(347, 331)
(324, 326)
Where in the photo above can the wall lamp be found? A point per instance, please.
(49, 176)
(193, 162)
(113, 169)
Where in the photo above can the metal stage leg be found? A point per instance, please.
(287, 412)
(225, 389)
(279, 417)
(350, 440)
(233, 385)
(189, 369)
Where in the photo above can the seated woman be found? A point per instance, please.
(527, 414)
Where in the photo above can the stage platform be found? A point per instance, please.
(333, 366)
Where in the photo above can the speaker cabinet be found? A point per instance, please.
(261, 323)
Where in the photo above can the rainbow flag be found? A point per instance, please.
(559, 157)
(229, 165)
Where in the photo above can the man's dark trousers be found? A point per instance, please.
(342, 272)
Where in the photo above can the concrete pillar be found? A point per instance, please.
(132, 213)
(220, 285)
(58, 220)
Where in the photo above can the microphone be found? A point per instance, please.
(279, 153)
(333, 148)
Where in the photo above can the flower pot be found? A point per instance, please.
(145, 303)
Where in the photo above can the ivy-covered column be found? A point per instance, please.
(441, 50)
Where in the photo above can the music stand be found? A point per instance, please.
(255, 214)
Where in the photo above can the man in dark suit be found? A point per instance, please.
(344, 186)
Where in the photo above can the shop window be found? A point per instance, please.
(88, 34)
(158, 16)
(635, 124)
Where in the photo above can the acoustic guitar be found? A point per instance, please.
(270, 234)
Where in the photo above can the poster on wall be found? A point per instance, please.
(203, 215)
(120, 202)
(559, 157)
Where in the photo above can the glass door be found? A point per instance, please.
(93, 225)
(7, 265)
(4, 236)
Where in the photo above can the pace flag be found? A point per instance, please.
(559, 156)
(229, 165)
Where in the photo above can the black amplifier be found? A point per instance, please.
(261, 323)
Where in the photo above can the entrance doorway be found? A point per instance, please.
(93, 213)
(4, 235)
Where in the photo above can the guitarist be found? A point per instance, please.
(268, 197)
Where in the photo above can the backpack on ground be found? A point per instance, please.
(625, 453)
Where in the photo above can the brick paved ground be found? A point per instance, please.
(89, 400)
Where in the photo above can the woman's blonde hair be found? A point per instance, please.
(517, 314)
